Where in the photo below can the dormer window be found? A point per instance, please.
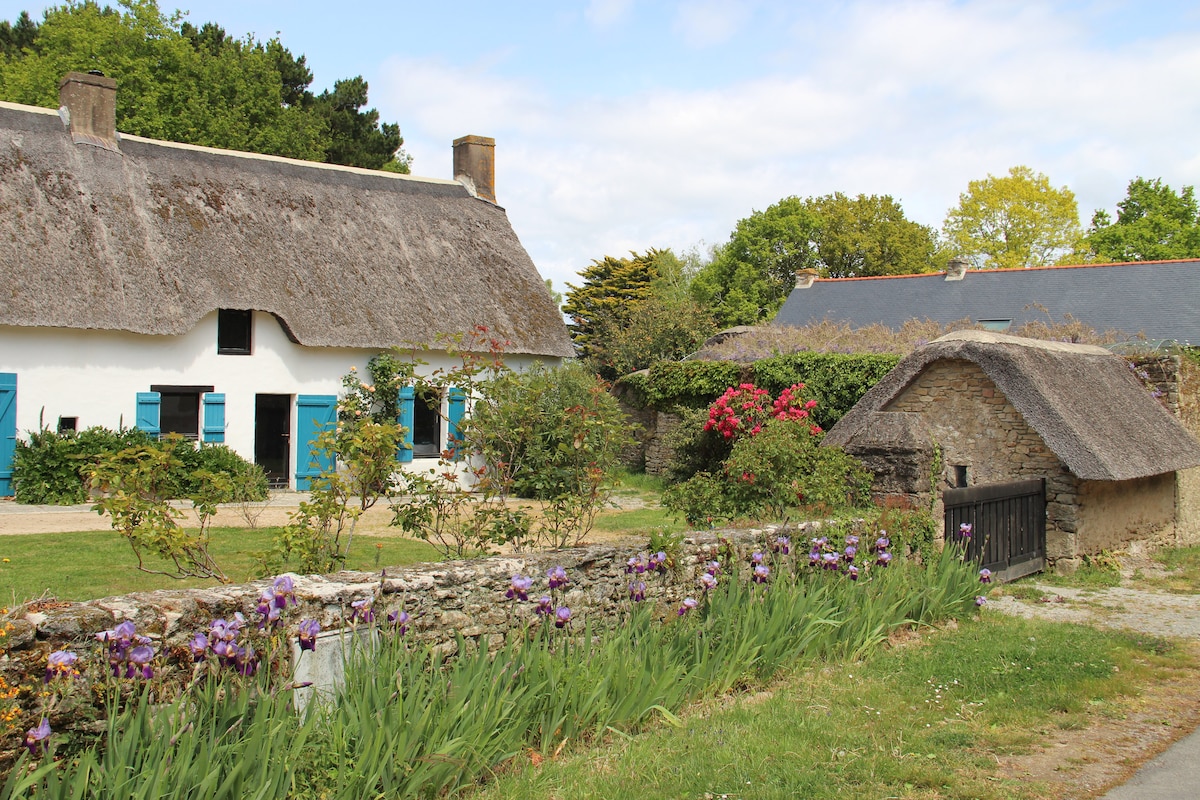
(233, 332)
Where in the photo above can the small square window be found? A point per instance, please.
(233, 332)
(960, 476)
(998, 325)
(68, 424)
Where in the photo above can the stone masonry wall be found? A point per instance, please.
(978, 428)
(445, 600)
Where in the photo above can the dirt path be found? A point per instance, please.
(1085, 763)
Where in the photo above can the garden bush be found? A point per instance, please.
(770, 461)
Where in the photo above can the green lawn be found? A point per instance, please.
(927, 720)
(87, 565)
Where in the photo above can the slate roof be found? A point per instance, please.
(1083, 401)
(154, 237)
(1160, 299)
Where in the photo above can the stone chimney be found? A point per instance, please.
(956, 268)
(805, 278)
(475, 165)
(87, 103)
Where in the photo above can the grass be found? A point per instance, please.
(1184, 566)
(87, 565)
(925, 720)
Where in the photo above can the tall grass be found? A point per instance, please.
(410, 722)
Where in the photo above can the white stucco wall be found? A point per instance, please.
(96, 375)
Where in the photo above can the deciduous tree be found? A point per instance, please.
(1153, 223)
(836, 235)
(1017, 220)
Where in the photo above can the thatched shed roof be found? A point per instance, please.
(1082, 400)
(154, 237)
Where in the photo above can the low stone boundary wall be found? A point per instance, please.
(445, 600)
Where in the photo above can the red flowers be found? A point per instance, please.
(745, 408)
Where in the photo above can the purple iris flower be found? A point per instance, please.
(965, 529)
(830, 561)
(713, 568)
(246, 662)
(637, 591)
(557, 576)
(883, 559)
(363, 611)
(139, 662)
(814, 557)
(307, 634)
(562, 616)
(61, 662)
(708, 581)
(852, 571)
(852, 541)
(657, 562)
(520, 588)
(688, 604)
(545, 606)
(35, 738)
(761, 571)
(980, 600)
(985, 576)
(882, 543)
(783, 545)
(820, 542)
(198, 647)
(851, 552)
(399, 621)
(635, 565)
(756, 557)
(284, 591)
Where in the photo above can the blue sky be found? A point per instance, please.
(622, 125)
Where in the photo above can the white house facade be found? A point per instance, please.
(224, 295)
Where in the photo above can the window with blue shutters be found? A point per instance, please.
(8, 430)
(148, 408)
(405, 418)
(214, 417)
(456, 407)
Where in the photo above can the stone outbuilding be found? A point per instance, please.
(977, 409)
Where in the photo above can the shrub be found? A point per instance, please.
(774, 461)
(50, 469)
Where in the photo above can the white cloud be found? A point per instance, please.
(703, 23)
(911, 100)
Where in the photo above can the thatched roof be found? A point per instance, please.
(155, 237)
(1082, 400)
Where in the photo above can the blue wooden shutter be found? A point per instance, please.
(314, 413)
(405, 418)
(456, 406)
(214, 417)
(148, 408)
(8, 430)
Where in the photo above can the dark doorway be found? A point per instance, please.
(1008, 522)
(272, 436)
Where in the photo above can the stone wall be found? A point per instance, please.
(445, 600)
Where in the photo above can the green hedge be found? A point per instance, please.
(50, 468)
(835, 380)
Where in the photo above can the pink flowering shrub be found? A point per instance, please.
(770, 461)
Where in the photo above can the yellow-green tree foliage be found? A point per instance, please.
(1013, 221)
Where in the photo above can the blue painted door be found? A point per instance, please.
(314, 413)
(8, 430)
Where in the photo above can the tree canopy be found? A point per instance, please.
(836, 235)
(1017, 220)
(1154, 223)
(197, 85)
(632, 312)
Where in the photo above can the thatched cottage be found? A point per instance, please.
(983, 420)
(223, 295)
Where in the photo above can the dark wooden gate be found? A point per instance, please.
(1008, 522)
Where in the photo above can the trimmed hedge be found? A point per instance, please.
(835, 380)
